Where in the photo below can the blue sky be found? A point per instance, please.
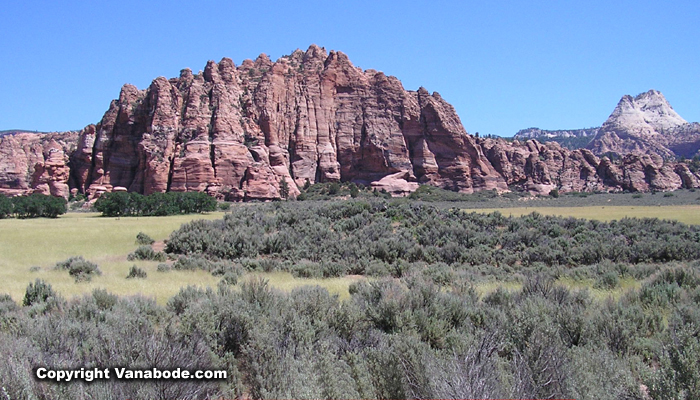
(504, 65)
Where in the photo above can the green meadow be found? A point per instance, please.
(105, 241)
(689, 214)
(30, 248)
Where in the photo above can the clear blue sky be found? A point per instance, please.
(504, 65)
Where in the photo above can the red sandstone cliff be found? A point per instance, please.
(237, 131)
(36, 162)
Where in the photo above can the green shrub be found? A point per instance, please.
(230, 278)
(37, 292)
(192, 264)
(5, 207)
(104, 299)
(334, 188)
(38, 205)
(163, 267)
(136, 272)
(79, 268)
(306, 269)
(607, 281)
(143, 239)
(146, 253)
(124, 204)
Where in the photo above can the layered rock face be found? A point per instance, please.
(647, 124)
(538, 168)
(237, 132)
(36, 162)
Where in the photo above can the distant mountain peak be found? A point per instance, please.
(646, 124)
(648, 112)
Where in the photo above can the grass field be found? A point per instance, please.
(689, 214)
(107, 242)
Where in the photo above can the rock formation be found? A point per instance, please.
(237, 132)
(647, 124)
(571, 139)
(36, 162)
(538, 168)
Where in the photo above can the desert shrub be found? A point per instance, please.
(144, 239)
(393, 338)
(499, 297)
(192, 264)
(678, 375)
(37, 292)
(136, 272)
(377, 268)
(440, 273)
(79, 268)
(184, 299)
(230, 278)
(607, 281)
(224, 206)
(362, 234)
(330, 269)
(163, 267)
(682, 276)
(146, 253)
(306, 269)
(104, 299)
(334, 188)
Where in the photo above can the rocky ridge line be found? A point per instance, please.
(237, 132)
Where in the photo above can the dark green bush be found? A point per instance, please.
(37, 292)
(5, 207)
(124, 204)
(79, 268)
(146, 253)
(136, 272)
(35, 205)
(144, 239)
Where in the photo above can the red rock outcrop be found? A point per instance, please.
(36, 162)
(237, 132)
(539, 168)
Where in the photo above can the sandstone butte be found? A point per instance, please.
(236, 132)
